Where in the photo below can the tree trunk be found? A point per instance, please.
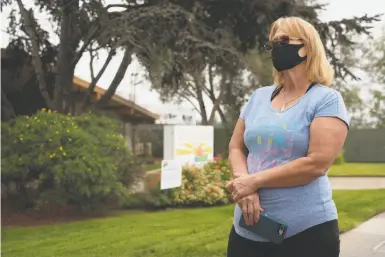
(36, 61)
(224, 120)
(199, 84)
(65, 68)
(7, 110)
(216, 101)
(117, 79)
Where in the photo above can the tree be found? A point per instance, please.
(131, 27)
(218, 30)
(375, 57)
(245, 27)
(374, 65)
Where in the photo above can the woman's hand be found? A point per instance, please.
(241, 187)
(250, 208)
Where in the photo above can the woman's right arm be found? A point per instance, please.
(249, 204)
(237, 156)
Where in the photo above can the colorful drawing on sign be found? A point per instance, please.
(200, 151)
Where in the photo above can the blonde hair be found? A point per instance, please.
(318, 68)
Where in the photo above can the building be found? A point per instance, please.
(21, 91)
(131, 114)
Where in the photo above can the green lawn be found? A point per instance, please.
(188, 232)
(358, 169)
(150, 167)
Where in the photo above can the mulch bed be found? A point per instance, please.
(30, 217)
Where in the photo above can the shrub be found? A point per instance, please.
(201, 186)
(80, 160)
(339, 160)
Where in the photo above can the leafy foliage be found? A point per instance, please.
(238, 29)
(174, 40)
(375, 59)
(51, 157)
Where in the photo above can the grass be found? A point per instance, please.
(358, 169)
(150, 167)
(187, 232)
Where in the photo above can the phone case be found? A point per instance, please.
(267, 227)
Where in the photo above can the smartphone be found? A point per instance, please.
(267, 227)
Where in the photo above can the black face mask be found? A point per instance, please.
(285, 56)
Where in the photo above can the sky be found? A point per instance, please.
(142, 94)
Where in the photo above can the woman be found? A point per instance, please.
(293, 131)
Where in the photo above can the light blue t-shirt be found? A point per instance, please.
(274, 139)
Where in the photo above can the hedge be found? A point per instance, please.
(51, 158)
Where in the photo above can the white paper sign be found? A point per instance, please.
(189, 144)
(171, 174)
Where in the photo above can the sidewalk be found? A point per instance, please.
(366, 240)
(349, 183)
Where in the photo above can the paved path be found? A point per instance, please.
(357, 183)
(367, 240)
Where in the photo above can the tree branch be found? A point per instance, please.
(117, 79)
(95, 80)
(189, 100)
(86, 43)
(199, 88)
(36, 61)
(216, 100)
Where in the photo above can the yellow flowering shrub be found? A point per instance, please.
(80, 160)
(200, 186)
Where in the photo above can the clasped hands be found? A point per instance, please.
(244, 192)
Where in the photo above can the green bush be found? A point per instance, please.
(201, 186)
(80, 160)
(339, 160)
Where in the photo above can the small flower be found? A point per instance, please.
(208, 190)
(61, 148)
(217, 167)
(43, 110)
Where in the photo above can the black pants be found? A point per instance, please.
(318, 241)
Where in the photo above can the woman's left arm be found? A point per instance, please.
(328, 132)
(327, 136)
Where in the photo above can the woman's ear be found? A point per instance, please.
(302, 52)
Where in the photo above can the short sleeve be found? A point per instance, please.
(333, 105)
(246, 108)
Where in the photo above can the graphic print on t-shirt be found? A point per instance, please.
(270, 144)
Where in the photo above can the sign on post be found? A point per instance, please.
(188, 144)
